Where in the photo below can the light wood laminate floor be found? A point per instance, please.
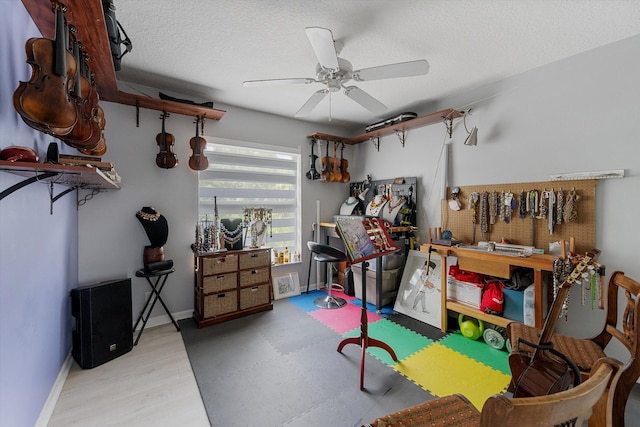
(152, 385)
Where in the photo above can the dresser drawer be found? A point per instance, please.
(222, 303)
(254, 276)
(219, 282)
(219, 264)
(255, 259)
(254, 296)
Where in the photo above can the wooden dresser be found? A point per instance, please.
(231, 284)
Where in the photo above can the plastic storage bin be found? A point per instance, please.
(389, 280)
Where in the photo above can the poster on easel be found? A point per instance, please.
(419, 295)
(364, 238)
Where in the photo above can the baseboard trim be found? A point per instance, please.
(54, 394)
(164, 319)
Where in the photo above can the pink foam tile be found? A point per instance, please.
(343, 319)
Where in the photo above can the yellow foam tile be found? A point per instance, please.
(442, 371)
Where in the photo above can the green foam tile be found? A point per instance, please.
(403, 341)
(478, 350)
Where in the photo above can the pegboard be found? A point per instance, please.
(525, 231)
(405, 186)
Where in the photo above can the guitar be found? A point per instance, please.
(313, 174)
(165, 158)
(198, 161)
(537, 373)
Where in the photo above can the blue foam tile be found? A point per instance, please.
(385, 311)
(304, 301)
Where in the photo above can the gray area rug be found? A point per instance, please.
(282, 368)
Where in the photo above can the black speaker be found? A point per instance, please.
(103, 322)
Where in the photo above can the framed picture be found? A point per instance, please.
(419, 295)
(287, 285)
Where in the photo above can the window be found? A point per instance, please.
(243, 175)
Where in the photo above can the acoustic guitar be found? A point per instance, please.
(539, 373)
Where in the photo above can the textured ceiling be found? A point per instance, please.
(205, 49)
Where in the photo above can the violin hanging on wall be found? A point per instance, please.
(165, 159)
(198, 161)
(45, 102)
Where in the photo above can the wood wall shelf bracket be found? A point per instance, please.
(400, 133)
(376, 142)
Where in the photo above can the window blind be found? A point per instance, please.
(242, 176)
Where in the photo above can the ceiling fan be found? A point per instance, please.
(335, 73)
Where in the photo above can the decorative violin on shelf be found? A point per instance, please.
(165, 159)
(198, 161)
(313, 174)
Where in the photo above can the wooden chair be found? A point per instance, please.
(566, 408)
(585, 352)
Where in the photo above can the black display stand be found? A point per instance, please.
(161, 278)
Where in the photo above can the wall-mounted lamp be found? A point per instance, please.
(472, 138)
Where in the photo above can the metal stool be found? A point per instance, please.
(329, 254)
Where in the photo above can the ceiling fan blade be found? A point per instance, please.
(277, 82)
(321, 40)
(391, 71)
(364, 99)
(312, 102)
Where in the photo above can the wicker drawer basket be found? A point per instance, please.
(254, 296)
(219, 264)
(219, 282)
(254, 276)
(255, 259)
(222, 303)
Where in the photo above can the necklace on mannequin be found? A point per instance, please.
(148, 216)
(376, 204)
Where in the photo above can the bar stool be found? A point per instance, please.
(326, 254)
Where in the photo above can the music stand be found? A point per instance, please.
(365, 239)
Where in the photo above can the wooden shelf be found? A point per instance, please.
(418, 122)
(68, 176)
(88, 18)
(491, 263)
(474, 312)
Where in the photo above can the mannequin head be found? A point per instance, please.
(155, 225)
